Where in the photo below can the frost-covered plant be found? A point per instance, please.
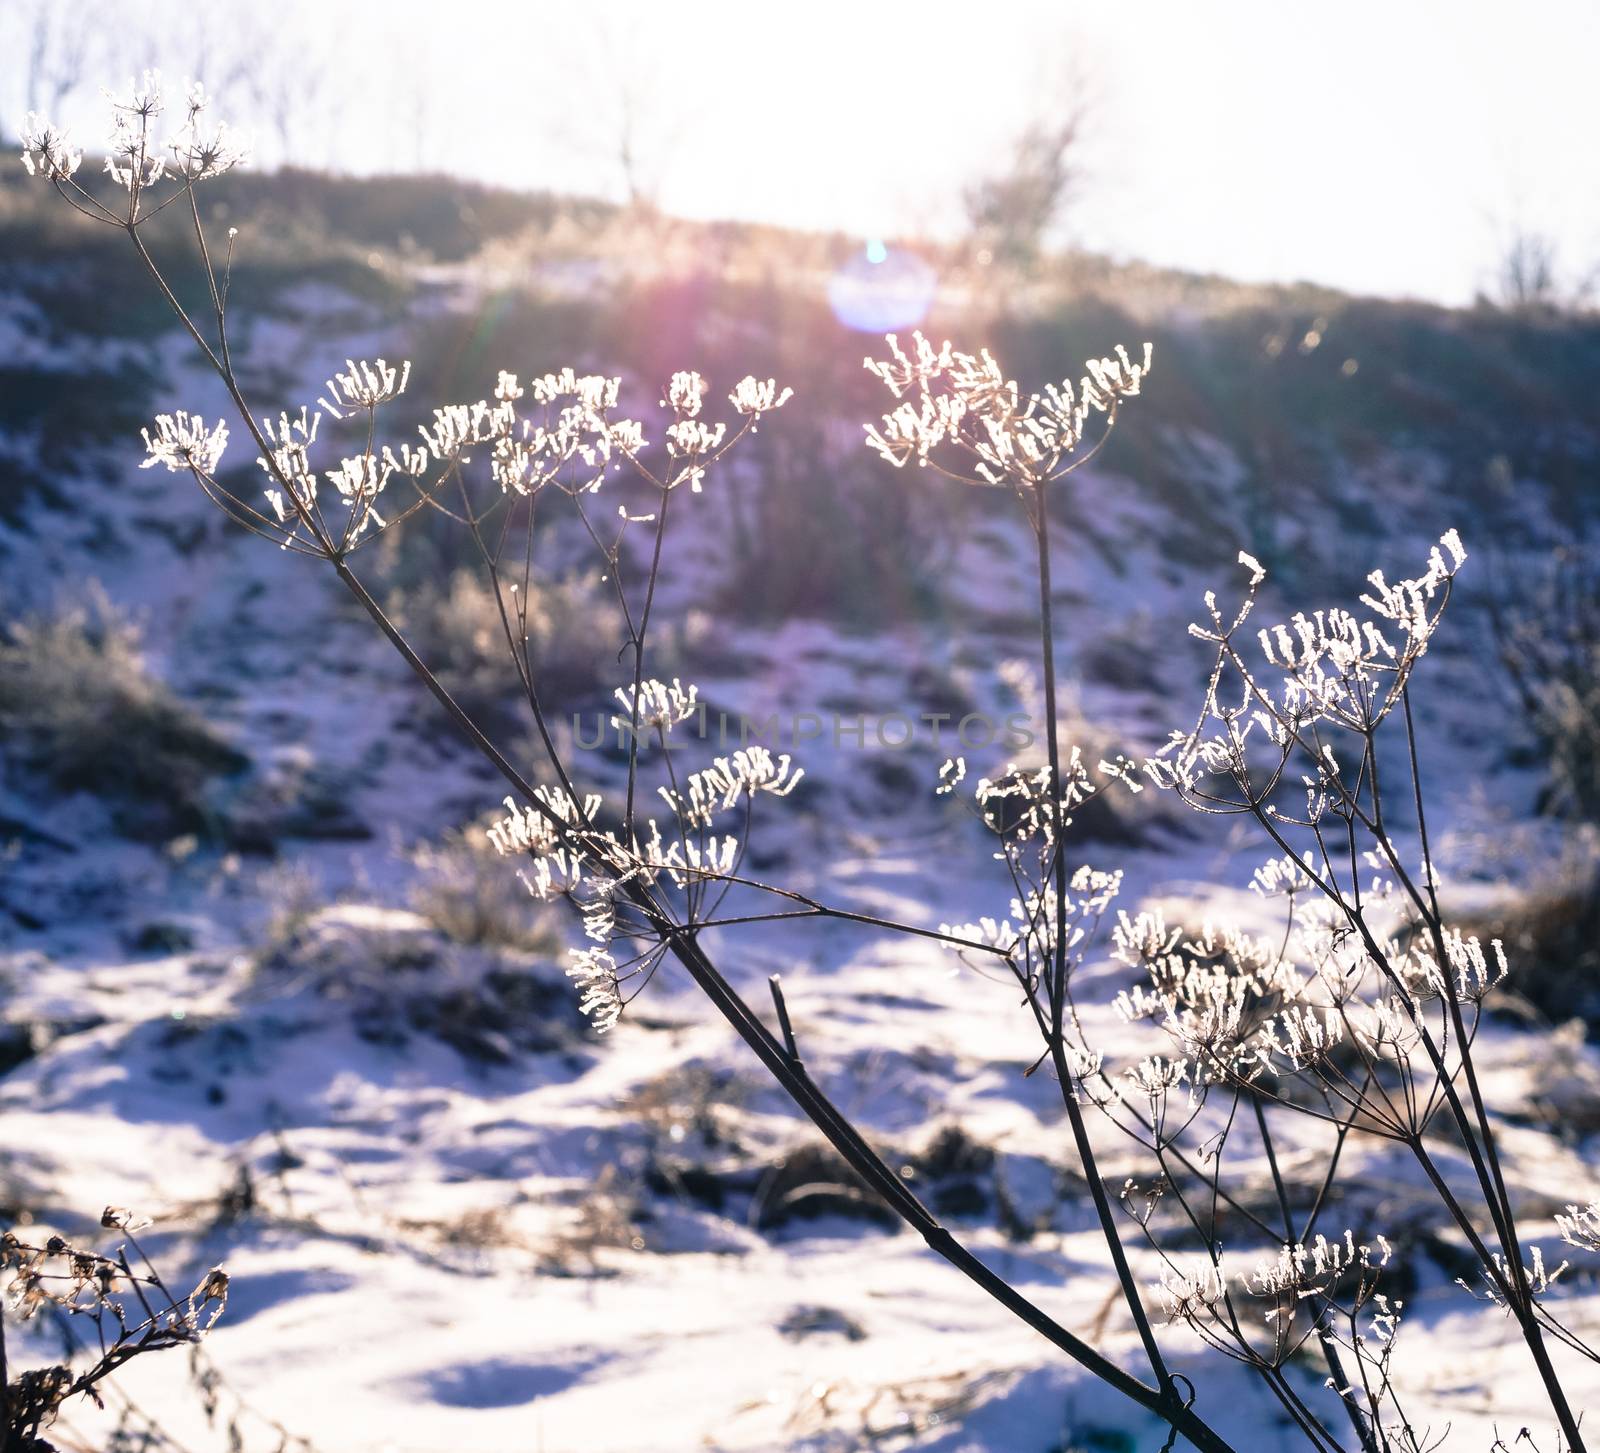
(121, 1297)
(1361, 1015)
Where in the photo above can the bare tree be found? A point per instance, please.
(1011, 212)
(631, 118)
(1528, 272)
(57, 48)
(290, 86)
(1012, 209)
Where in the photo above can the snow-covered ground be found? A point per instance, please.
(456, 1219)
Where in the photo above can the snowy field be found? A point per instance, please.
(457, 1219)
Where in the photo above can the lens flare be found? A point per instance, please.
(880, 289)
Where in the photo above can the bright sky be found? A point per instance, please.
(1384, 147)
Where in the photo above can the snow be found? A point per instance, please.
(444, 1249)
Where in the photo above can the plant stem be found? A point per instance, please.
(1330, 1351)
(1057, 985)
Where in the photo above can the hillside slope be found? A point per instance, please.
(260, 985)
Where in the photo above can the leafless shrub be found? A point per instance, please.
(604, 1220)
(462, 889)
(81, 707)
(1551, 932)
(690, 1104)
(1550, 649)
(565, 627)
(398, 977)
(290, 895)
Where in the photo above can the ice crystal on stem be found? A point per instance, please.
(183, 442)
(1580, 1226)
(600, 993)
(747, 773)
(685, 395)
(659, 706)
(526, 829)
(46, 151)
(961, 413)
(365, 385)
(201, 151)
(752, 397)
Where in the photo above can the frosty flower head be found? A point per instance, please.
(291, 429)
(685, 395)
(1405, 604)
(748, 773)
(1112, 379)
(689, 861)
(1155, 1077)
(360, 480)
(136, 159)
(556, 874)
(1475, 973)
(200, 150)
(600, 994)
(690, 436)
(132, 159)
(1352, 670)
(455, 426)
(658, 707)
(46, 151)
(1303, 1036)
(1030, 930)
(365, 385)
(1336, 667)
(530, 830)
(1189, 1294)
(407, 459)
(1580, 1226)
(142, 102)
(1499, 1278)
(754, 398)
(182, 442)
(1283, 877)
(1119, 768)
(1221, 996)
(571, 441)
(1303, 1268)
(960, 412)
(291, 437)
(1144, 938)
(1018, 803)
(912, 433)
(904, 372)
(593, 391)
(691, 441)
